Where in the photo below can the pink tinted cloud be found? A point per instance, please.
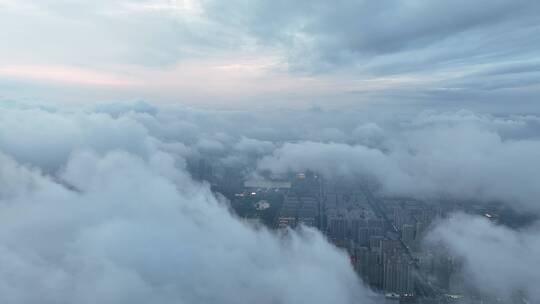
(65, 75)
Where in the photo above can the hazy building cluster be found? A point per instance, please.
(382, 236)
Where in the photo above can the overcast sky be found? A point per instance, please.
(481, 55)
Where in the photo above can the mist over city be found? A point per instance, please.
(205, 151)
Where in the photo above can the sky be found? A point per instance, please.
(480, 55)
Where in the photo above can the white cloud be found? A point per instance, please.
(137, 229)
(431, 156)
(497, 260)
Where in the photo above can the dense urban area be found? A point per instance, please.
(383, 236)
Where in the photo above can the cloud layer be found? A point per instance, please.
(99, 203)
(501, 262)
(458, 155)
(116, 219)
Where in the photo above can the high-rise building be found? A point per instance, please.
(397, 275)
(308, 211)
(337, 228)
(375, 243)
(408, 236)
(356, 225)
(288, 213)
(298, 210)
(285, 221)
(363, 236)
(361, 262)
(374, 269)
(390, 248)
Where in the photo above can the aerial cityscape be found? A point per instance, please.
(269, 151)
(384, 237)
